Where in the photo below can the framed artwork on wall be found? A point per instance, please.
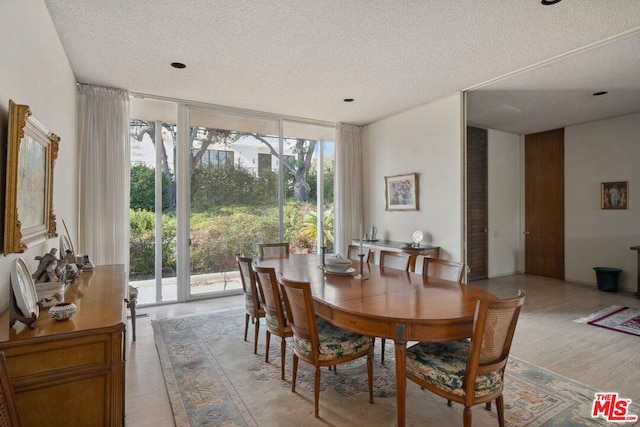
(31, 154)
(614, 195)
(401, 192)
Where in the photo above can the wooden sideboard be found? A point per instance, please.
(72, 372)
(389, 245)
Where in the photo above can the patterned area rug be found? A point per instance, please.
(213, 378)
(616, 318)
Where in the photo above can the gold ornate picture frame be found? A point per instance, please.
(31, 154)
(401, 192)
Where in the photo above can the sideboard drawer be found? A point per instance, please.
(59, 357)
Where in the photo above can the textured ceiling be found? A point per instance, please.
(302, 58)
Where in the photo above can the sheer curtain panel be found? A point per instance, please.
(348, 187)
(103, 208)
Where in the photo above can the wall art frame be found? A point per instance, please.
(31, 154)
(614, 195)
(401, 192)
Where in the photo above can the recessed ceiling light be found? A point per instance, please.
(348, 100)
(179, 65)
(604, 92)
(550, 2)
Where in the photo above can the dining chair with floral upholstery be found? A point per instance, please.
(470, 371)
(273, 250)
(397, 261)
(317, 341)
(275, 314)
(442, 269)
(254, 310)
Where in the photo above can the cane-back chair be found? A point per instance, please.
(470, 372)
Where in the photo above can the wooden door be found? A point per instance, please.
(477, 217)
(544, 203)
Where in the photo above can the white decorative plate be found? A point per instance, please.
(347, 272)
(24, 289)
(417, 237)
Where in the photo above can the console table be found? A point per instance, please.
(389, 245)
(637, 249)
(72, 372)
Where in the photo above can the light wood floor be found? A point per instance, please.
(546, 336)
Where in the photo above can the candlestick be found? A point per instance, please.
(361, 276)
(361, 238)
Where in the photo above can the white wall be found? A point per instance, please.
(596, 152)
(427, 140)
(505, 194)
(34, 70)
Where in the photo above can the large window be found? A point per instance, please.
(247, 184)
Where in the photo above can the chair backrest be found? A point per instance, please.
(301, 312)
(442, 269)
(354, 250)
(273, 250)
(395, 260)
(493, 327)
(248, 280)
(9, 416)
(268, 283)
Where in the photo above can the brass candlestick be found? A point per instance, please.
(324, 251)
(361, 276)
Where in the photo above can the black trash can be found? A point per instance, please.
(607, 278)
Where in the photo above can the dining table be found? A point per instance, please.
(386, 303)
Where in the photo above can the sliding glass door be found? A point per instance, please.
(237, 180)
(152, 253)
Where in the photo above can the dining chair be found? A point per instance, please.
(275, 314)
(253, 300)
(470, 372)
(9, 415)
(397, 261)
(317, 341)
(273, 250)
(443, 269)
(354, 250)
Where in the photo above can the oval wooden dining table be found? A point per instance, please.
(391, 304)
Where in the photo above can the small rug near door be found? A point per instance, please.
(616, 318)
(213, 378)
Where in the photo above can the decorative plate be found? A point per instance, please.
(24, 289)
(417, 237)
(347, 272)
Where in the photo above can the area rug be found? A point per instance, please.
(616, 318)
(213, 378)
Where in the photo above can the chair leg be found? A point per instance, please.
(448, 402)
(316, 392)
(255, 339)
(382, 351)
(294, 373)
(246, 326)
(466, 416)
(131, 305)
(266, 348)
(283, 352)
(500, 410)
(487, 406)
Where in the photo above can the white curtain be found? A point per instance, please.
(103, 202)
(348, 187)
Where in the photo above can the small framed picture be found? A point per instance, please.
(614, 195)
(402, 192)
